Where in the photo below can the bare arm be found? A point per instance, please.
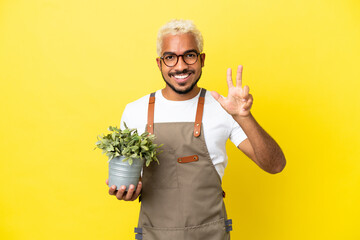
(259, 146)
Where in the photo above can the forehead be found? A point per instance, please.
(178, 43)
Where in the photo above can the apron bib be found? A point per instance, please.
(181, 198)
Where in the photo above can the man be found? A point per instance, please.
(182, 197)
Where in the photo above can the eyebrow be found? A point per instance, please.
(191, 50)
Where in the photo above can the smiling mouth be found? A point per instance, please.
(181, 76)
(181, 79)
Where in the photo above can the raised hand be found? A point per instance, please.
(238, 102)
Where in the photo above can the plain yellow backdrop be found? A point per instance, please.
(68, 68)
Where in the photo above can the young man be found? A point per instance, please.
(182, 197)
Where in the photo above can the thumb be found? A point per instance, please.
(217, 97)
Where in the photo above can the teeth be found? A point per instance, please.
(181, 76)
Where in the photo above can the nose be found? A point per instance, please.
(180, 65)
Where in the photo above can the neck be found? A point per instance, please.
(171, 95)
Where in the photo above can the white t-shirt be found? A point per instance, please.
(217, 124)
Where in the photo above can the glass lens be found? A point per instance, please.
(170, 60)
(190, 57)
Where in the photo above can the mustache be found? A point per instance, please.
(181, 72)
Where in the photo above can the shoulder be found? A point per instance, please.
(136, 109)
(135, 114)
(139, 102)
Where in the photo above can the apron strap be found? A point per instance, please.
(150, 122)
(198, 118)
(199, 113)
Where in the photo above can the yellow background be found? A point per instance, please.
(68, 68)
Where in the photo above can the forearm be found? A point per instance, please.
(268, 153)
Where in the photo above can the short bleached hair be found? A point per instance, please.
(176, 27)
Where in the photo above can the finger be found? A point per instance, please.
(112, 190)
(120, 192)
(245, 93)
(129, 193)
(248, 103)
(137, 192)
(217, 97)
(229, 78)
(215, 94)
(239, 76)
(107, 182)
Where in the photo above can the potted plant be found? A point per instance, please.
(127, 152)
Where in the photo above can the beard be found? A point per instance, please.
(185, 91)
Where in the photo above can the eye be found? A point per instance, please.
(169, 57)
(190, 55)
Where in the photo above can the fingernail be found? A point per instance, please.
(243, 109)
(113, 187)
(140, 183)
(123, 188)
(243, 99)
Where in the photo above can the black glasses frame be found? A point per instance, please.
(182, 56)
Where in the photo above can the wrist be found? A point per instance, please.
(241, 118)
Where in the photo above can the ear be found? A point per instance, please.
(158, 61)
(202, 59)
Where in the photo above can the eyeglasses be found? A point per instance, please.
(189, 57)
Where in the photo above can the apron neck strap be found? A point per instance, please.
(198, 118)
(199, 113)
(150, 123)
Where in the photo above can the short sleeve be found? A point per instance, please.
(237, 135)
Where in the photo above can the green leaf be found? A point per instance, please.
(148, 162)
(110, 148)
(134, 148)
(126, 150)
(145, 148)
